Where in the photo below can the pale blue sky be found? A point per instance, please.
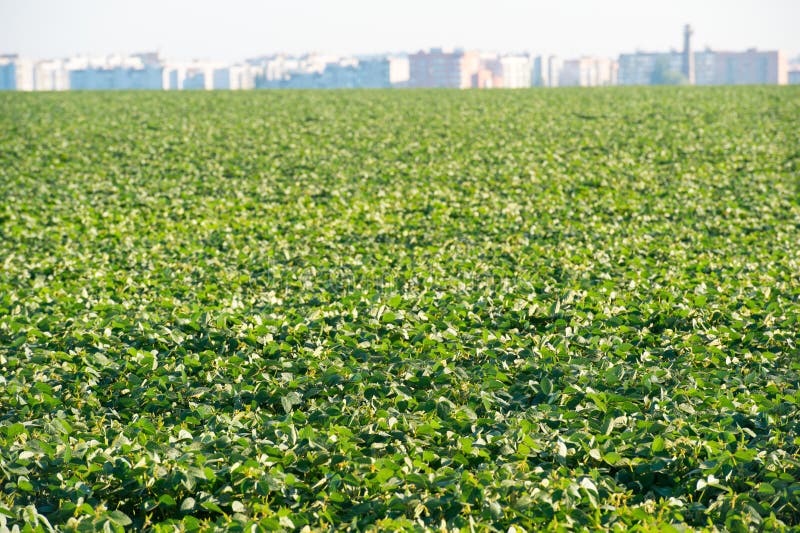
(235, 29)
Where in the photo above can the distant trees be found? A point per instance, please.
(664, 75)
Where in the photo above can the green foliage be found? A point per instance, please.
(400, 310)
(664, 75)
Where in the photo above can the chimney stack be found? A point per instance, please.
(688, 54)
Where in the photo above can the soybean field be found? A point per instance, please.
(417, 310)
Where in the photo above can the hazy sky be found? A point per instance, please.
(236, 29)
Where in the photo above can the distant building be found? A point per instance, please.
(489, 74)
(365, 73)
(117, 78)
(442, 68)
(399, 71)
(16, 73)
(286, 72)
(650, 68)
(198, 79)
(751, 67)
(225, 78)
(173, 78)
(277, 69)
(136, 72)
(659, 68)
(703, 68)
(236, 77)
(588, 72)
(539, 72)
(546, 71)
(374, 73)
(688, 55)
(205, 76)
(50, 76)
(793, 76)
(515, 71)
(485, 78)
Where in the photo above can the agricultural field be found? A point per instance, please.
(409, 310)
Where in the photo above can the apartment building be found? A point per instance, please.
(515, 71)
(363, 73)
(399, 71)
(16, 73)
(50, 75)
(751, 67)
(235, 77)
(648, 68)
(489, 74)
(443, 68)
(588, 72)
(117, 78)
(546, 71)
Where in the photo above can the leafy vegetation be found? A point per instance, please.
(400, 310)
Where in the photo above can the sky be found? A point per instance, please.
(237, 29)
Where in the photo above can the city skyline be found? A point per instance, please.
(49, 29)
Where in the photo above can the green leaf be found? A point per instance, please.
(290, 400)
(612, 458)
(15, 429)
(166, 499)
(188, 504)
(119, 518)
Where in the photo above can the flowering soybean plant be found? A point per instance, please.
(563, 310)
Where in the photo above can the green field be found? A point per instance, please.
(401, 310)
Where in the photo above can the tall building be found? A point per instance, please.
(515, 71)
(367, 73)
(399, 71)
(539, 72)
(650, 68)
(546, 71)
(659, 68)
(588, 72)
(50, 76)
(688, 55)
(554, 67)
(116, 72)
(443, 68)
(489, 74)
(198, 78)
(751, 67)
(235, 77)
(16, 73)
(374, 73)
(793, 71)
(117, 78)
(703, 68)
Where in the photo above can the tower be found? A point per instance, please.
(688, 55)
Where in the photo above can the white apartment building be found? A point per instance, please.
(16, 73)
(280, 67)
(116, 72)
(515, 71)
(588, 72)
(399, 71)
(236, 77)
(50, 76)
(546, 71)
(201, 75)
